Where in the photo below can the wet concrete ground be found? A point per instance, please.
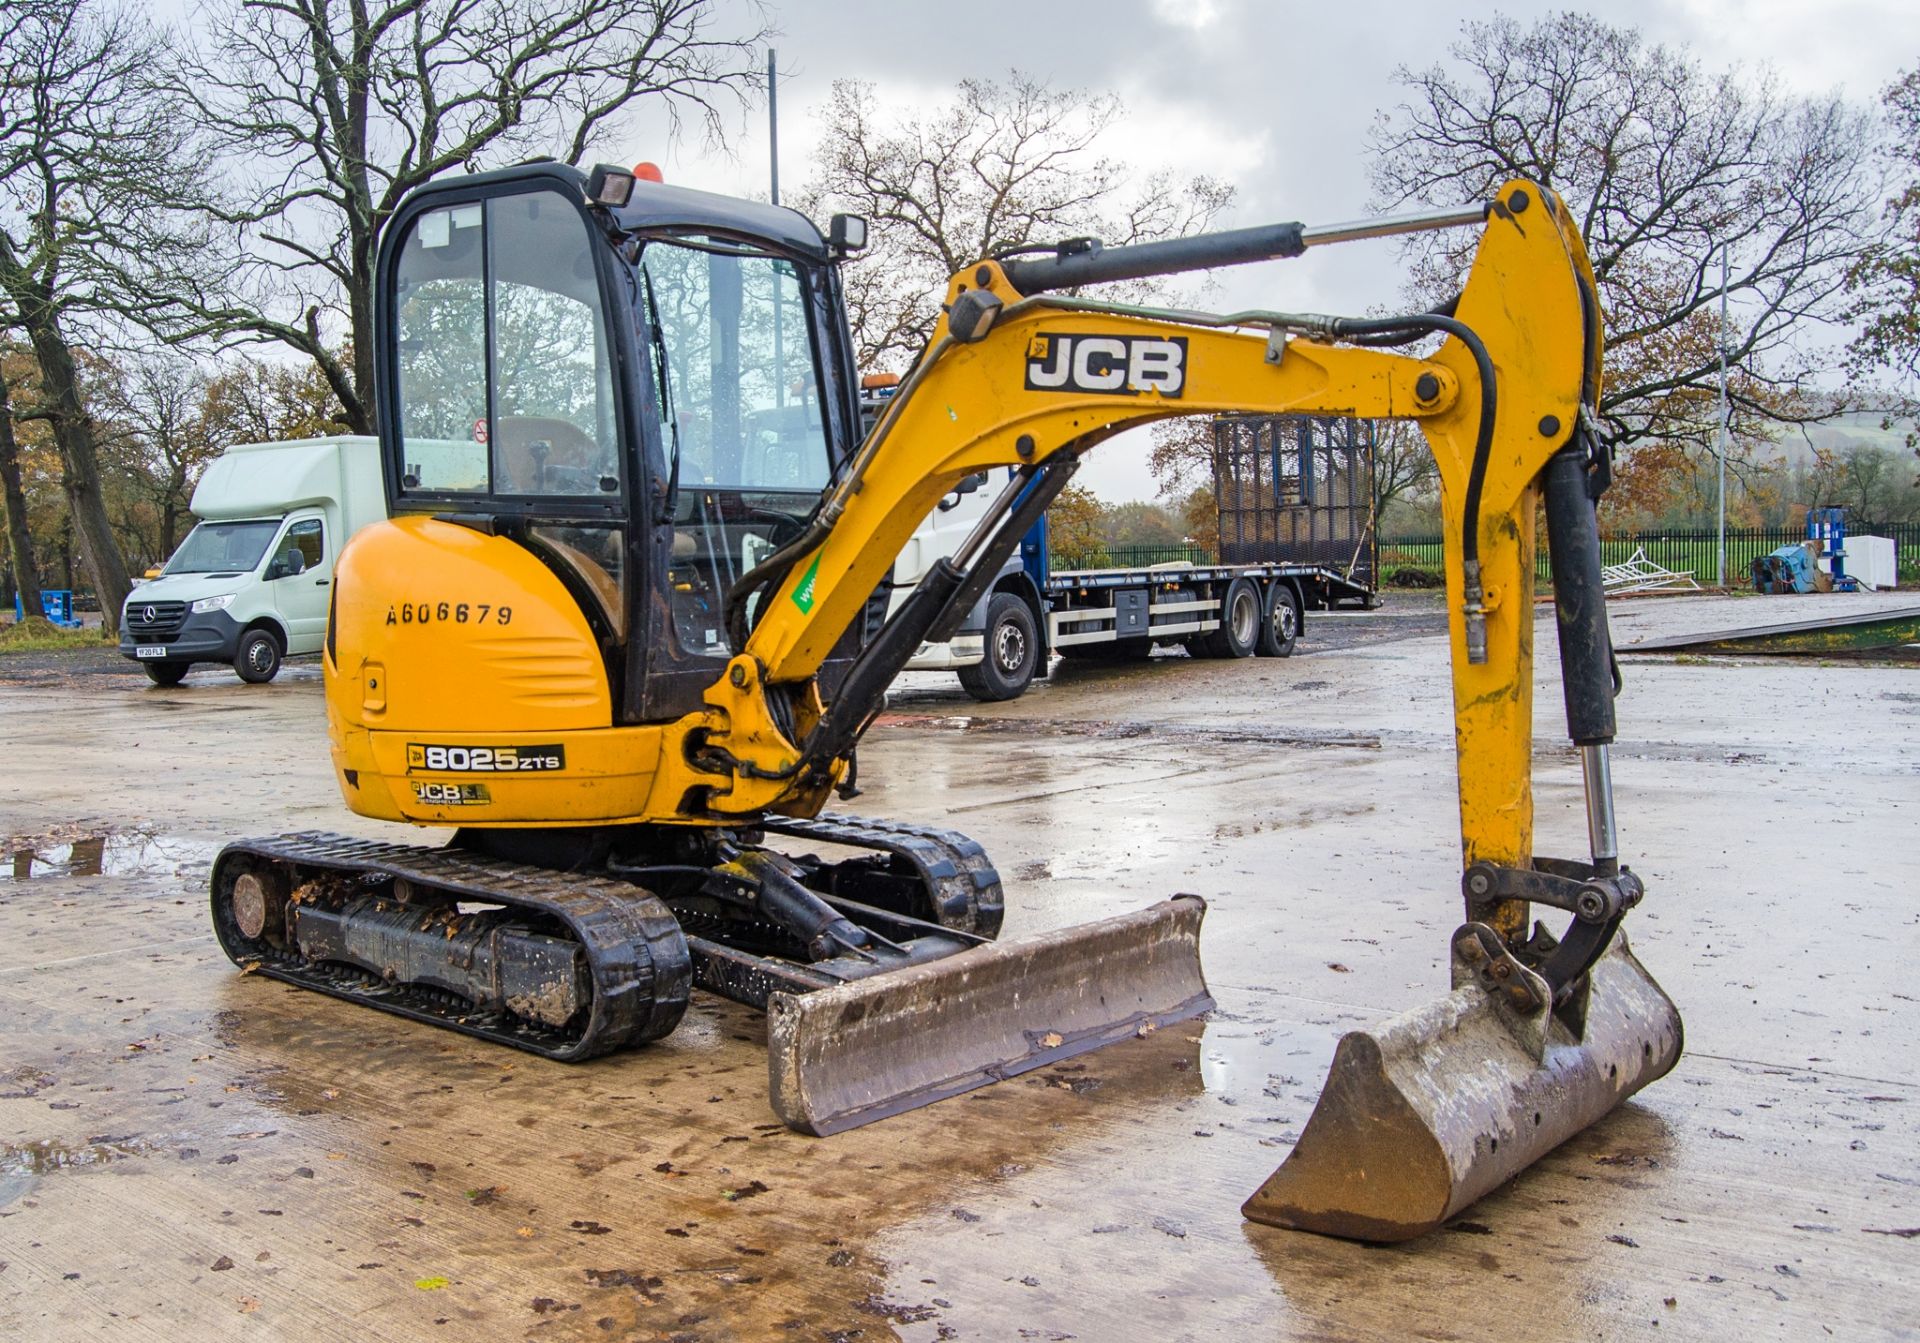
(189, 1152)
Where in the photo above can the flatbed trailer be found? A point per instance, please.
(1296, 533)
(1125, 612)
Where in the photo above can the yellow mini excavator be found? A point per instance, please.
(628, 624)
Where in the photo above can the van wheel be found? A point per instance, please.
(1013, 651)
(1240, 622)
(258, 658)
(165, 673)
(1281, 628)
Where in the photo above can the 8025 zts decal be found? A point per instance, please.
(485, 759)
(1110, 365)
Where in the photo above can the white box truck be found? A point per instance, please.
(251, 584)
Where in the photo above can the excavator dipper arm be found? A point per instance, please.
(1540, 1036)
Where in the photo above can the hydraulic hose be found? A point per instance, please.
(1402, 331)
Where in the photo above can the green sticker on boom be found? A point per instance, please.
(803, 595)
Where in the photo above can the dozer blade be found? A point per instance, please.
(1448, 1101)
(874, 1047)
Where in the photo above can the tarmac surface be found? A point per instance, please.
(188, 1152)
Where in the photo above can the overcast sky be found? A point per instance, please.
(1273, 97)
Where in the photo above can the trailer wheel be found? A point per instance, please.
(165, 673)
(257, 660)
(1281, 628)
(1240, 623)
(1013, 651)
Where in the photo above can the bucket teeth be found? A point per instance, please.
(864, 1050)
(1446, 1102)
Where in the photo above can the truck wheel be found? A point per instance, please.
(258, 657)
(1013, 650)
(165, 673)
(1282, 624)
(1240, 623)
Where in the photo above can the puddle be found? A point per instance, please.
(21, 1164)
(127, 854)
(48, 1155)
(1122, 729)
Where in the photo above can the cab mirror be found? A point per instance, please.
(847, 233)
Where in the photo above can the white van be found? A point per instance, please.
(251, 583)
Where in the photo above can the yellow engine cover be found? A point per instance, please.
(465, 687)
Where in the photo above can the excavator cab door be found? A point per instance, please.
(740, 435)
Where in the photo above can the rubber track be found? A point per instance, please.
(960, 879)
(640, 966)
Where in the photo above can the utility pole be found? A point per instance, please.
(773, 125)
(1726, 415)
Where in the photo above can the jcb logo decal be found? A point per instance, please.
(1112, 365)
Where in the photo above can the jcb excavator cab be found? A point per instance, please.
(649, 397)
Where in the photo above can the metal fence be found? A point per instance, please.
(1694, 552)
(1682, 551)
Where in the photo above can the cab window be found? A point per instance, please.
(733, 348)
(505, 378)
(301, 548)
(740, 420)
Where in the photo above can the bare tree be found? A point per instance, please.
(1004, 166)
(158, 407)
(1666, 167)
(1403, 465)
(99, 179)
(1887, 282)
(13, 503)
(330, 112)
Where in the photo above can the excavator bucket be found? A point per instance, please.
(1446, 1102)
(848, 1055)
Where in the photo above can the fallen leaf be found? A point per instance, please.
(248, 1304)
(524, 1232)
(590, 1228)
(1051, 1040)
(1338, 968)
(430, 1284)
(221, 1265)
(330, 1094)
(480, 1198)
(1904, 1232)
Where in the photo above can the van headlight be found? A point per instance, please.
(206, 604)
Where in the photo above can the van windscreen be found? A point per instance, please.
(220, 547)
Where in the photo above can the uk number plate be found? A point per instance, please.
(150, 651)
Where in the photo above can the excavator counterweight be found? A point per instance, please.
(622, 637)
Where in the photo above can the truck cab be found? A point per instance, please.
(252, 582)
(1001, 646)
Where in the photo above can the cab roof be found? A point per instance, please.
(656, 206)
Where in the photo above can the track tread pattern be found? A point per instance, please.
(960, 879)
(639, 961)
